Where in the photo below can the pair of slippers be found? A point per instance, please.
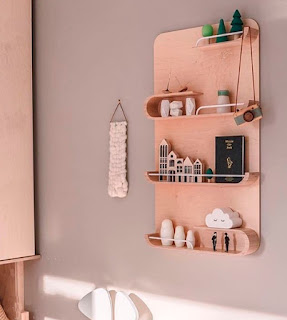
(101, 305)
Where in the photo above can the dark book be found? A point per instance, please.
(229, 158)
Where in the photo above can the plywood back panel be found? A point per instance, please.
(206, 70)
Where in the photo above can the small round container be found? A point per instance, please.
(223, 98)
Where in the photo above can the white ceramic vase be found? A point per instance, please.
(164, 108)
(191, 240)
(179, 235)
(190, 106)
(167, 232)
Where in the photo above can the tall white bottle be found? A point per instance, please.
(179, 235)
(191, 239)
(167, 232)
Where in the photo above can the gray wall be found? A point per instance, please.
(87, 55)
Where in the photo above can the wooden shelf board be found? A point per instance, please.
(193, 117)
(230, 43)
(247, 241)
(250, 177)
(29, 258)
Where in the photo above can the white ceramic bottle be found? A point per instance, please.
(167, 232)
(223, 98)
(190, 106)
(164, 108)
(191, 239)
(179, 235)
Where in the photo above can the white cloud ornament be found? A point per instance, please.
(224, 218)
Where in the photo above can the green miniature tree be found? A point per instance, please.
(207, 30)
(236, 23)
(221, 30)
(209, 171)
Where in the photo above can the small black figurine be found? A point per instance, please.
(214, 240)
(226, 240)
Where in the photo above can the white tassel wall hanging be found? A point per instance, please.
(118, 184)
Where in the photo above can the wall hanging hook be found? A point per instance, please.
(119, 105)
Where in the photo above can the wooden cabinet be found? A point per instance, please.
(16, 131)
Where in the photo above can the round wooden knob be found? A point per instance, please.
(248, 116)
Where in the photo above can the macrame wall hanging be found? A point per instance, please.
(118, 184)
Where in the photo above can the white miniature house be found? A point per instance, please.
(188, 169)
(197, 169)
(175, 169)
(171, 166)
(164, 149)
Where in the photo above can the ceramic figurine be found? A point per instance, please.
(176, 105)
(164, 108)
(175, 112)
(224, 218)
(226, 241)
(191, 240)
(214, 240)
(179, 235)
(190, 106)
(167, 232)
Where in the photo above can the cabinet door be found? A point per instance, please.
(16, 131)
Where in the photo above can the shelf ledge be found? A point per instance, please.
(243, 241)
(229, 43)
(152, 104)
(248, 179)
(22, 259)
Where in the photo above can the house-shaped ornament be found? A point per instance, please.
(175, 169)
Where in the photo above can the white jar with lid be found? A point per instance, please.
(223, 98)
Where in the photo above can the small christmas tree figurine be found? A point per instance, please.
(236, 23)
(221, 30)
(207, 31)
(209, 171)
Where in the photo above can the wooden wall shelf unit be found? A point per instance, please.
(205, 72)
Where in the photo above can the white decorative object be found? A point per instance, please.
(118, 185)
(198, 169)
(164, 108)
(164, 149)
(188, 169)
(175, 112)
(223, 98)
(224, 218)
(190, 106)
(125, 309)
(176, 105)
(179, 235)
(190, 239)
(166, 231)
(97, 305)
(175, 169)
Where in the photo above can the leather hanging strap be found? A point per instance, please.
(239, 67)
(118, 105)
